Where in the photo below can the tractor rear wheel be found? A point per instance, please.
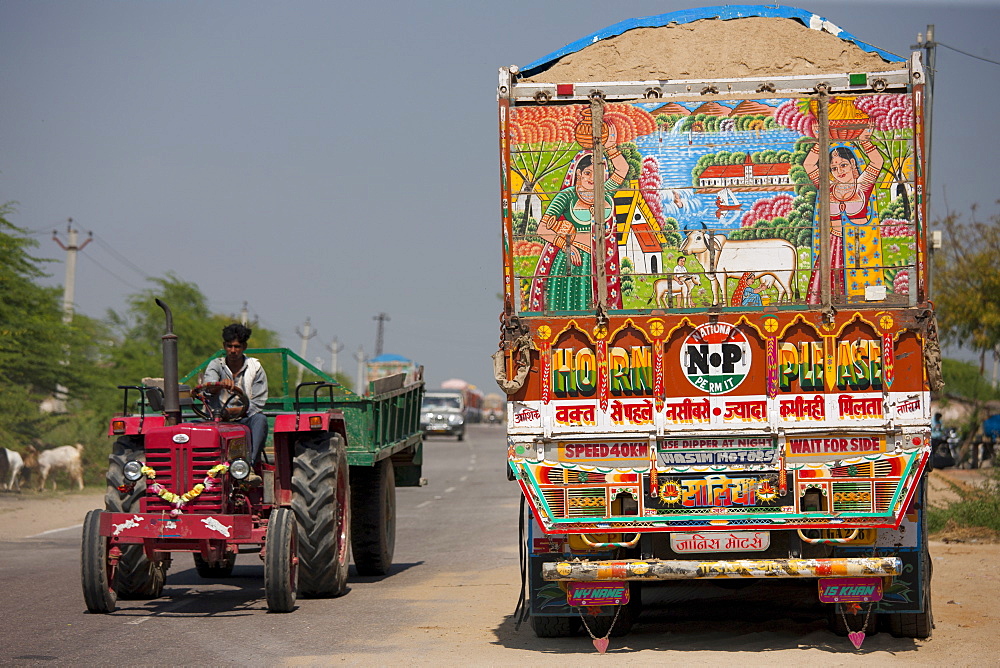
(214, 571)
(96, 570)
(136, 577)
(321, 501)
(373, 511)
(280, 561)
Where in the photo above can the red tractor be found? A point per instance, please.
(177, 485)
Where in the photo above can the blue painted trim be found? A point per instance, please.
(725, 12)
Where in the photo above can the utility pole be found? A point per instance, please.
(71, 248)
(929, 46)
(930, 57)
(362, 381)
(334, 347)
(305, 334)
(381, 318)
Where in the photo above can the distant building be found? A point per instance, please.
(748, 175)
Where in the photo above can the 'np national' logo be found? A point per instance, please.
(716, 358)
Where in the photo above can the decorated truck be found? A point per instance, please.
(716, 338)
(179, 482)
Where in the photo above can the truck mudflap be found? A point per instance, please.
(662, 569)
(124, 526)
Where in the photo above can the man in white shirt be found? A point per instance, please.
(236, 369)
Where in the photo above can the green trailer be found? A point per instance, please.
(384, 443)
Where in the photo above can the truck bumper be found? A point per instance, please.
(125, 526)
(661, 569)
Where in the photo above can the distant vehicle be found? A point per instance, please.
(443, 413)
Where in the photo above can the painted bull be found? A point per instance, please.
(725, 258)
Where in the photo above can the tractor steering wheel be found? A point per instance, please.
(221, 412)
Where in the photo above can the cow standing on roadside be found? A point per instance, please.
(66, 457)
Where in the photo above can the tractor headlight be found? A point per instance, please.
(239, 469)
(132, 471)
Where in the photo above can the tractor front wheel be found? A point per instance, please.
(96, 569)
(281, 562)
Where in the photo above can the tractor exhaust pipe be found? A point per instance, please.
(171, 391)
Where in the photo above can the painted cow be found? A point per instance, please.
(725, 258)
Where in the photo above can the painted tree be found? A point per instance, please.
(544, 143)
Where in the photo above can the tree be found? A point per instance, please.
(627, 282)
(966, 283)
(138, 330)
(38, 351)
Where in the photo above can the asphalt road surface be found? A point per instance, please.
(447, 602)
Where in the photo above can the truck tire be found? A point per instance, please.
(373, 511)
(136, 577)
(554, 627)
(280, 571)
(321, 503)
(95, 570)
(918, 624)
(216, 571)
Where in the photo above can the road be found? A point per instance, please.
(448, 601)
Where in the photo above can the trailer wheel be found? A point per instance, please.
(373, 510)
(281, 561)
(96, 570)
(321, 503)
(214, 571)
(136, 577)
(554, 627)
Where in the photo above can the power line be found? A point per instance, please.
(966, 53)
(121, 258)
(103, 268)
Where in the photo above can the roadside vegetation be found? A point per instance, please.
(975, 507)
(967, 297)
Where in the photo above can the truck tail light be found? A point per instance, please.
(315, 422)
(118, 427)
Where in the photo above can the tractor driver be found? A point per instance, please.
(246, 372)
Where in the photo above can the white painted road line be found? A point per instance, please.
(45, 533)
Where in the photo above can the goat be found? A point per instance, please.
(66, 457)
(11, 465)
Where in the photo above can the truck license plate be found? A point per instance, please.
(597, 593)
(850, 590)
(720, 541)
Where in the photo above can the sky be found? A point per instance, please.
(331, 161)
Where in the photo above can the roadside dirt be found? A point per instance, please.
(24, 514)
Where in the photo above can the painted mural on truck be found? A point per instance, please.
(713, 203)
